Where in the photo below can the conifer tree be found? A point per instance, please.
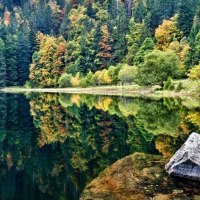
(24, 57)
(2, 64)
(140, 12)
(11, 51)
(186, 14)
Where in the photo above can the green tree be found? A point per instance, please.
(140, 11)
(186, 14)
(24, 57)
(11, 51)
(133, 40)
(193, 55)
(2, 64)
(158, 66)
(169, 84)
(65, 80)
(127, 74)
(146, 47)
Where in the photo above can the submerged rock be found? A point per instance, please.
(186, 161)
(139, 177)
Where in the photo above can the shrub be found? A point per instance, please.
(194, 73)
(113, 73)
(169, 84)
(83, 83)
(128, 74)
(90, 80)
(179, 87)
(104, 78)
(75, 81)
(65, 81)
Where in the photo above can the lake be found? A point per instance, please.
(60, 146)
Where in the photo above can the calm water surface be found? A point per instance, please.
(54, 146)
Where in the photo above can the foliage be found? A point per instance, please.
(194, 73)
(179, 87)
(65, 81)
(127, 74)
(41, 40)
(48, 63)
(2, 64)
(75, 81)
(113, 72)
(146, 47)
(167, 33)
(133, 40)
(158, 66)
(169, 84)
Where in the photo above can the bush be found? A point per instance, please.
(83, 83)
(128, 74)
(65, 81)
(169, 84)
(104, 78)
(179, 87)
(75, 81)
(194, 73)
(113, 73)
(90, 79)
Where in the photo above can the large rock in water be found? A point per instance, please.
(139, 177)
(186, 161)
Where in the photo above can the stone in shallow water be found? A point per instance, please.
(186, 161)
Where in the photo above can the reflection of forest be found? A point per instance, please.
(74, 137)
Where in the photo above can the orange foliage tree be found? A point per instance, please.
(105, 49)
(49, 62)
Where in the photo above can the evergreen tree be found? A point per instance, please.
(11, 51)
(140, 11)
(134, 39)
(119, 27)
(24, 57)
(146, 47)
(186, 14)
(2, 64)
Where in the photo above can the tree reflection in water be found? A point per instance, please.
(53, 145)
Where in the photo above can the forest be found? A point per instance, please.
(81, 43)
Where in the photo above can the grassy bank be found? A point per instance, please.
(189, 88)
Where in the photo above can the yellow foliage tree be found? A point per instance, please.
(49, 62)
(75, 81)
(166, 33)
(49, 118)
(104, 78)
(194, 73)
(194, 117)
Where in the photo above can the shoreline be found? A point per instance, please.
(104, 90)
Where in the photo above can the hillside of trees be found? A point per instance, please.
(80, 43)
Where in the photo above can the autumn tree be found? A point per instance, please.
(194, 73)
(167, 33)
(49, 62)
(104, 51)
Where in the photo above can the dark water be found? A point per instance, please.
(52, 146)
